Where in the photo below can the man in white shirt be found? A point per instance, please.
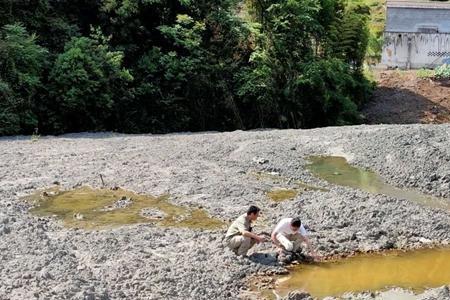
(289, 234)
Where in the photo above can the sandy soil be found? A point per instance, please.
(401, 97)
(40, 259)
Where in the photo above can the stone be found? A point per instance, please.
(298, 295)
(78, 216)
(425, 240)
(152, 213)
(260, 160)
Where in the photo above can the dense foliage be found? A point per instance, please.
(376, 23)
(442, 72)
(177, 65)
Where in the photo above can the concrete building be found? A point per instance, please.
(417, 34)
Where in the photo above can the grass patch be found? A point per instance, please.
(425, 73)
(279, 195)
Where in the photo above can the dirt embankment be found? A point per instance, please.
(41, 259)
(403, 97)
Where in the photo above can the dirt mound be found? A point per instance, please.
(402, 97)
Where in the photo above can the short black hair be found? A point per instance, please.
(253, 210)
(296, 222)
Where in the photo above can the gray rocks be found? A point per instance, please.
(297, 295)
(260, 160)
(4, 229)
(152, 213)
(121, 203)
(217, 172)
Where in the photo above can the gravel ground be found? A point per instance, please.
(40, 259)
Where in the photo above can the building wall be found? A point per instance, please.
(416, 37)
(423, 49)
(408, 19)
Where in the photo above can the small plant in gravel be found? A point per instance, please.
(442, 72)
(35, 136)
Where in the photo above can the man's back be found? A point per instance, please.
(240, 224)
(284, 227)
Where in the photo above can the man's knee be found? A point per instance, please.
(235, 242)
(246, 244)
(289, 246)
(285, 242)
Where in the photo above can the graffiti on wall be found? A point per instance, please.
(415, 50)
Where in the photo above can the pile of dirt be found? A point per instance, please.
(403, 97)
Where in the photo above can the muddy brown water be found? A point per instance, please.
(414, 270)
(337, 170)
(90, 208)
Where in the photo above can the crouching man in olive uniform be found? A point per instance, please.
(239, 237)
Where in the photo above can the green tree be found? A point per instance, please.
(86, 80)
(349, 36)
(55, 22)
(21, 65)
(196, 65)
(295, 79)
(188, 82)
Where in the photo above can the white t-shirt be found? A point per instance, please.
(284, 227)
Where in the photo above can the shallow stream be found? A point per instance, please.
(413, 270)
(337, 170)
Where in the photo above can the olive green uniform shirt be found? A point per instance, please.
(238, 226)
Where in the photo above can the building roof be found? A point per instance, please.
(419, 4)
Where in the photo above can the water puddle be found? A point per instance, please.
(336, 170)
(286, 188)
(90, 208)
(414, 270)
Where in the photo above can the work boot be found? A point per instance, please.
(285, 257)
(298, 256)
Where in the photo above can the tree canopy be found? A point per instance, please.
(180, 65)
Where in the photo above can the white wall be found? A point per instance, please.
(425, 50)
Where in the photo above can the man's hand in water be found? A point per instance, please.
(315, 256)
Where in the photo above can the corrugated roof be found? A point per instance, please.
(419, 4)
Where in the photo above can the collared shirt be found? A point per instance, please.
(242, 223)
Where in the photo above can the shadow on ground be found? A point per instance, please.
(403, 106)
(267, 259)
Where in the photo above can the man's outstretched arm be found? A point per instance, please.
(309, 246)
(256, 237)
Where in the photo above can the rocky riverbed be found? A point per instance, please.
(41, 259)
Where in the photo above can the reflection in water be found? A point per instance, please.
(336, 170)
(416, 270)
(97, 208)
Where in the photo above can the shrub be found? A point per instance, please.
(21, 64)
(85, 82)
(425, 73)
(442, 72)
